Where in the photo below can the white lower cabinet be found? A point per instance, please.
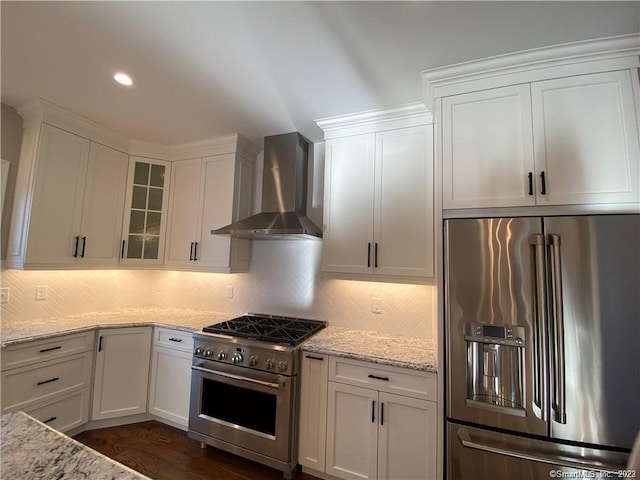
(361, 420)
(170, 382)
(313, 410)
(122, 372)
(64, 413)
(406, 438)
(50, 379)
(352, 432)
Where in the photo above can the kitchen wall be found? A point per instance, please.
(284, 278)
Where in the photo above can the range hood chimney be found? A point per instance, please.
(284, 194)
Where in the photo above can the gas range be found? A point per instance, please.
(244, 387)
(256, 341)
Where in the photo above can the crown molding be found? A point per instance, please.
(39, 110)
(369, 121)
(589, 56)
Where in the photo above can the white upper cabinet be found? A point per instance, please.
(549, 127)
(487, 148)
(76, 204)
(403, 218)
(348, 208)
(103, 206)
(145, 219)
(205, 194)
(378, 211)
(183, 213)
(80, 201)
(586, 139)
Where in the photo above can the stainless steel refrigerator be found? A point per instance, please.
(542, 345)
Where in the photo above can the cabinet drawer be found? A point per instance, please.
(170, 338)
(63, 413)
(27, 353)
(385, 378)
(25, 385)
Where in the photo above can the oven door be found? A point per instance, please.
(244, 408)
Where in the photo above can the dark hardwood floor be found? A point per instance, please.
(166, 453)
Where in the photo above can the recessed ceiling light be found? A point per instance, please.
(123, 79)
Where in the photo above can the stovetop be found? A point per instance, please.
(268, 328)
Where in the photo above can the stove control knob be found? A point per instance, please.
(253, 361)
(208, 352)
(237, 358)
(198, 351)
(270, 364)
(282, 366)
(222, 356)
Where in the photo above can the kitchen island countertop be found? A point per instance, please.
(30, 449)
(394, 350)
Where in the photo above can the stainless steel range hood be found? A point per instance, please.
(284, 194)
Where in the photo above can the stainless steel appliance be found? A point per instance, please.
(284, 194)
(244, 387)
(542, 345)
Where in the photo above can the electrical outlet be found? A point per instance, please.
(229, 291)
(41, 292)
(4, 294)
(376, 305)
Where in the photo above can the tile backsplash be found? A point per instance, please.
(285, 278)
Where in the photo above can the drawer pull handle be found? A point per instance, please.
(49, 420)
(48, 381)
(313, 357)
(175, 340)
(386, 379)
(50, 349)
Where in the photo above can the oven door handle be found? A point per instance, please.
(236, 377)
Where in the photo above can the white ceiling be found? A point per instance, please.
(204, 69)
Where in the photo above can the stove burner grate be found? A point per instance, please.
(268, 328)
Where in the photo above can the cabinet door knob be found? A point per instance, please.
(75, 250)
(191, 252)
(530, 183)
(543, 184)
(369, 255)
(84, 246)
(195, 251)
(122, 251)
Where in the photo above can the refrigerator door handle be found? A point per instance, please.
(540, 346)
(530, 454)
(559, 405)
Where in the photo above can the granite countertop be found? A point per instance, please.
(406, 352)
(386, 349)
(178, 318)
(30, 449)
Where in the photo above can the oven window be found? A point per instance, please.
(239, 406)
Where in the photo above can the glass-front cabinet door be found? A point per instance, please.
(145, 217)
